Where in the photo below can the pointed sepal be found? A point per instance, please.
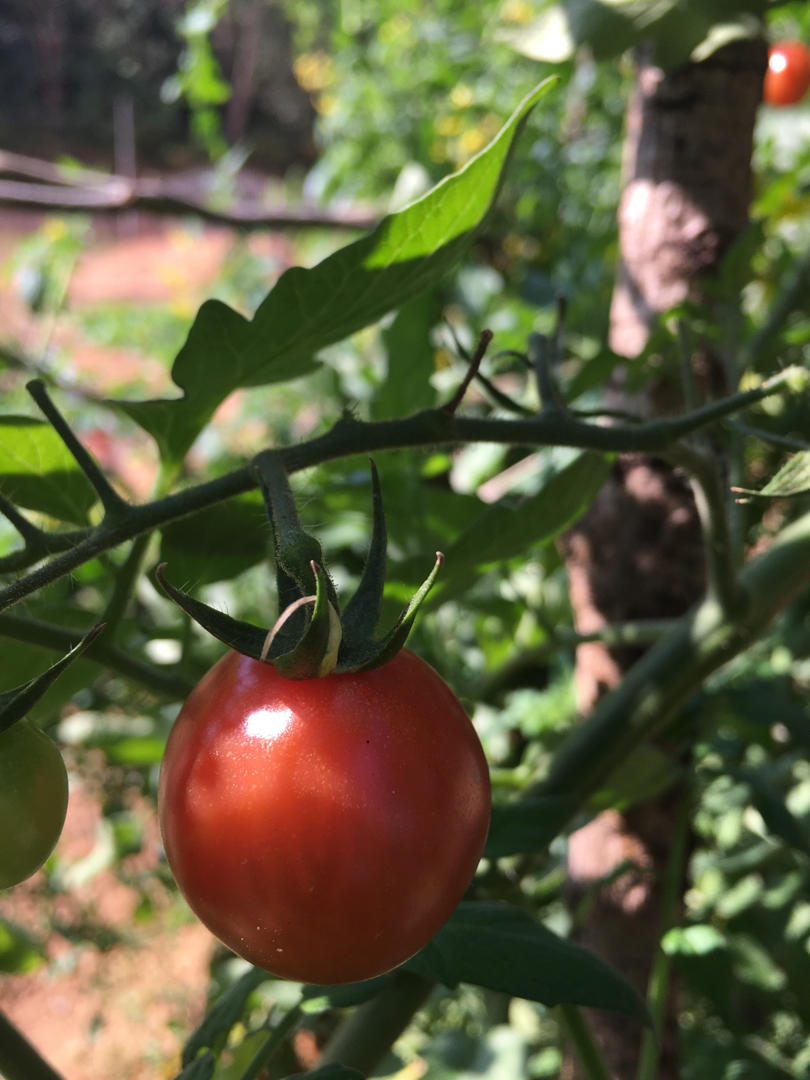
(316, 653)
(362, 613)
(369, 654)
(242, 636)
(14, 704)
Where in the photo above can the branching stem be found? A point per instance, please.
(349, 436)
(711, 502)
(113, 504)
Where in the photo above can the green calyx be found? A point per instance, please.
(311, 636)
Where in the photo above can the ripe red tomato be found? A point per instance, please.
(33, 801)
(788, 76)
(323, 829)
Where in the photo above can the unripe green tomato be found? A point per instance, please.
(33, 801)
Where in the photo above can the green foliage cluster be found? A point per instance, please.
(359, 354)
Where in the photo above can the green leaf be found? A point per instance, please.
(38, 472)
(503, 948)
(770, 802)
(792, 479)
(329, 1072)
(19, 952)
(698, 940)
(643, 774)
(236, 538)
(344, 996)
(308, 309)
(527, 825)
(217, 1023)
(507, 529)
(202, 1068)
(677, 29)
(410, 353)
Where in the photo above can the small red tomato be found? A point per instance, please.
(323, 829)
(788, 76)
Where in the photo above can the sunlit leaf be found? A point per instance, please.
(37, 472)
(308, 309)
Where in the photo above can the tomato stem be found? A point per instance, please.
(114, 505)
(426, 428)
(366, 1036)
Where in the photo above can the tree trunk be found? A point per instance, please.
(638, 553)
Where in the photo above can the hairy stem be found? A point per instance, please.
(711, 502)
(112, 502)
(348, 437)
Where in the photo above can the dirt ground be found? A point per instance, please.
(115, 995)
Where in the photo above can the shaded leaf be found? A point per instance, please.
(509, 528)
(218, 1021)
(503, 948)
(346, 995)
(527, 825)
(770, 802)
(329, 1072)
(202, 1068)
(219, 542)
(38, 472)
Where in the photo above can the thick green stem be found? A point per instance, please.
(367, 1034)
(790, 298)
(125, 579)
(659, 684)
(578, 1033)
(711, 501)
(272, 1044)
(659, 982)
(19, 1060)
(349, 436)
(295, 549)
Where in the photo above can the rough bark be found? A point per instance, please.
(638, 552)
(687, 185)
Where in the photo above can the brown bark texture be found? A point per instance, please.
(638, 553)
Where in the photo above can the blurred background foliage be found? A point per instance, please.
(376, 102)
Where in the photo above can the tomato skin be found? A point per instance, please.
(788, 76)
(323, 829)
(33, 801)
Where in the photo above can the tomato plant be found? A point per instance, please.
(788, 76)
(33, 801)
(323, 829)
